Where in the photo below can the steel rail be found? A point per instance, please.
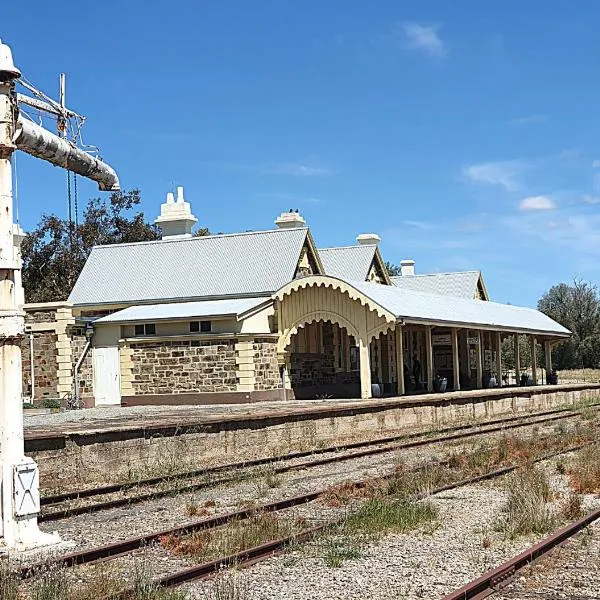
(264, 551)
(495, 579)
(505, 424)
(123, 547)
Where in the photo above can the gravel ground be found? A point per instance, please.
(421, 564)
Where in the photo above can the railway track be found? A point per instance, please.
(271, 548)
(210, 477)
(494, 580)
(124, 547)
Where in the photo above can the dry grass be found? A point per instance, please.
(193, 509)
(579, 376)
(527, 510)
(232, 538)
(584, 471)
(9, 581)
(572, 507)
(227, 586)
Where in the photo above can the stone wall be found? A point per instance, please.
(45, 365)
(89, 457)
(266, 367)
(86, 369)
(183, 366)
(311, 369)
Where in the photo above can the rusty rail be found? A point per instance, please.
(264, 551)
(495, 579)
(123, 547)
(480, 429)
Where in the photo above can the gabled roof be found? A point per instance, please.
(461, 284)
(234, 307)
(241, 265)
(350, 262)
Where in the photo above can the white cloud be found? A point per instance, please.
(529, 120)
(588, 199)
(501, 173)
(297, 170)
(425, 39)
(537, 203)
(596, 164)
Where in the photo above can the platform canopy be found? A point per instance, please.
(393, 304)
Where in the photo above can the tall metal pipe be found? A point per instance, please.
(44, 144)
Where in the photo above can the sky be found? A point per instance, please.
(467, 135)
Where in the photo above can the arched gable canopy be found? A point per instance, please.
(323, 298)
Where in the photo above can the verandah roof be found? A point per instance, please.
(433, 309)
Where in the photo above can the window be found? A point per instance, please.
(145, 329)
(200, 326)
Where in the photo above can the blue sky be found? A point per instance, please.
(466, 134)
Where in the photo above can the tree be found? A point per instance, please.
(393, 270)
(576, 307)
(55, 252)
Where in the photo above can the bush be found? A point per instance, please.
(51, 403)
(527, 510)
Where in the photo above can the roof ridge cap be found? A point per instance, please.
(200, 237)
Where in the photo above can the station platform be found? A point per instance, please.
(116, 440)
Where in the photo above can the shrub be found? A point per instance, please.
(527, 510)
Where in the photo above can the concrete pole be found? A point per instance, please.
(379, 345)
(20, 500)
(517, 359)
(365, 367)
(455, 361)
(429, 351)
(479, 354)
(499, 357)
(400, 359)
(533, 360)
(548, 356)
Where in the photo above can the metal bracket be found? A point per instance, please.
(27, 483)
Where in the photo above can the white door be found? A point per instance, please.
(107, 380)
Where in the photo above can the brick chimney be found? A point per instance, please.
(368, 239)
(407, 267)
(289, 220)
(176, 219)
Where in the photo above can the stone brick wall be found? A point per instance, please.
(45, 365)
(310, 369)
(266, 368)
(184, 366)
(40, 316)
(86, 370)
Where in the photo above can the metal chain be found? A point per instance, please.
(76, 203)
(70, 210)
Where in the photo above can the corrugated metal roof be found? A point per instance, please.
(348, 262)
(462, 284)
(184, 310)
(419, 306)
(242, 264)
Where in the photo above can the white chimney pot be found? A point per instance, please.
(289, 220)
(368, 239)
(407, 267)
(176, 219)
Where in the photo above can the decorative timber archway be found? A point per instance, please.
(325, 299)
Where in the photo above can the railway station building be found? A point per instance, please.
(268, 315)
